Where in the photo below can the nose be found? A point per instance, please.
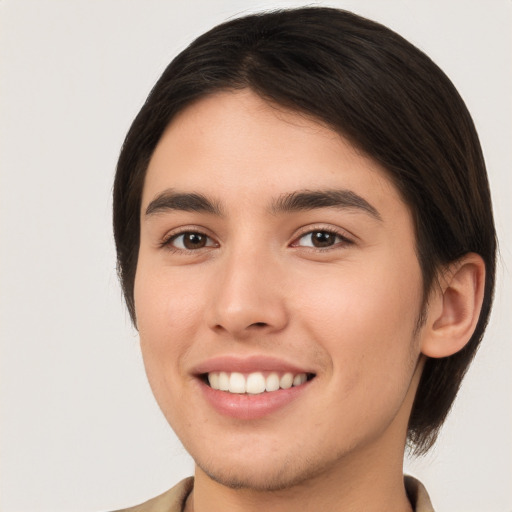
(248, 296)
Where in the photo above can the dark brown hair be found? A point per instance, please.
(385, 96)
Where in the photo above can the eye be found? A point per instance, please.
(189, 241)
(320, 239)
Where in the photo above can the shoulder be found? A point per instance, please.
(418, 495)
(172, 500)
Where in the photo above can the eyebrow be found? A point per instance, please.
(287, 203)
(315, 199)
(188, 202)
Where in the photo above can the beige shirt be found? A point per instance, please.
(174, 499)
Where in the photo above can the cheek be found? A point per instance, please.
(165, 307)
(167, 313)
(362, 297)
(166, 319)
(365, 319)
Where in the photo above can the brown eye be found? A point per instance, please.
(320, 239)
(190, 241)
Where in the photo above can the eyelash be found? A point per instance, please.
(343, 239)
(167, 242)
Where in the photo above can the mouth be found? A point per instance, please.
(254, 383)
(250, 388)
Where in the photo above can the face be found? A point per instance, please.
(277, 293)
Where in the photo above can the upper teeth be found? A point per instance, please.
(254, 383)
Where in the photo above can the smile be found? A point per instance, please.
(254, 383)
(250, 388)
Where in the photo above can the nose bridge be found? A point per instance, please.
(248, 296)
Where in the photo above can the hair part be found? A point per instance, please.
(381, 93)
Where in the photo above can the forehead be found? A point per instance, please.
(237, 147)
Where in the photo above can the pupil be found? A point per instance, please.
(322, 239)
(194, 241)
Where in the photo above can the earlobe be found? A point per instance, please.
(454, 307)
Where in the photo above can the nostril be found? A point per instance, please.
(258, 324)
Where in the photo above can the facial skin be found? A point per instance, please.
(345, 313)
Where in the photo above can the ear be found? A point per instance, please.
(454, 307)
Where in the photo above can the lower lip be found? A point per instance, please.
(251, 407)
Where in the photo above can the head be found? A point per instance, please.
(388, 101)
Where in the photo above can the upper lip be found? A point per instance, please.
(231, 363)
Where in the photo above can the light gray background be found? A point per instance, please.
(80, 430)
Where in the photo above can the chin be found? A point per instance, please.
(276, 476)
